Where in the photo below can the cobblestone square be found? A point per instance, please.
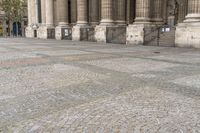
(84, 87)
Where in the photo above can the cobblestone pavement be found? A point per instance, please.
(78, 87)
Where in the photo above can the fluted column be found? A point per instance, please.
(29, 13)
(182, 11)
(157, 14)
(164, 13)
(121, 12)
(43, 11)
(73, 11)
(82, 12)
(36, 11)
(142, 11)
(49, 13)
(32, 8)
(62, 7)
(193, 11)
(106, 12)
(94, 12)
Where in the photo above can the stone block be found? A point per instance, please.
(83, 33)
(188, 35)
(41, 32)
(110, 34)
(87, 34)
(138, 34)
(63, 33)
(135, 34)
(46, 32)
(100, 33)
(29, 32)
(116, 34)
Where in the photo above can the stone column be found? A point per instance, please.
(107, 31)
(40, 31)
(94, 12)
(82, 12)
(193, 11)
(43, 11)
(130, 13)
(62, 7)
(48, 30)
(33, 12)
(49, 13)
(157, 11)
(136, 32)
(36, 12)
(107, 12)
(121, 12)
(73, 12)
(29, 30)
(142, 11)
(82, 20)
(187, 33)
(62, 30)
(182, 11)
(165, 12)
(29, 13)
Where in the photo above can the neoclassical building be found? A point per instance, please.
(131, 22)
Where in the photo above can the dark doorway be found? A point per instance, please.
(17, 30)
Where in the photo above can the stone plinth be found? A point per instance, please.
(100, 33)
(46, 32)
(29, 32)
(188, 35)
(76, 33)
(83, 33)
(110, 34)
(136, 33)
(41, 32)
(63, 33)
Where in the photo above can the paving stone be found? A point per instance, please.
(83, 87)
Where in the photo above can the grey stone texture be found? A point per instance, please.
(77, 87)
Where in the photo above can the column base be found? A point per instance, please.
(120, 23)
(45, 32)
(136, 33)
(110, 34)
(29, 32)
(107, 22)
(192, 18)
(63, 33)
(157, 21)
(188, 35)
(83, 33)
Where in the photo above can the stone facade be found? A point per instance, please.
(115, 21)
